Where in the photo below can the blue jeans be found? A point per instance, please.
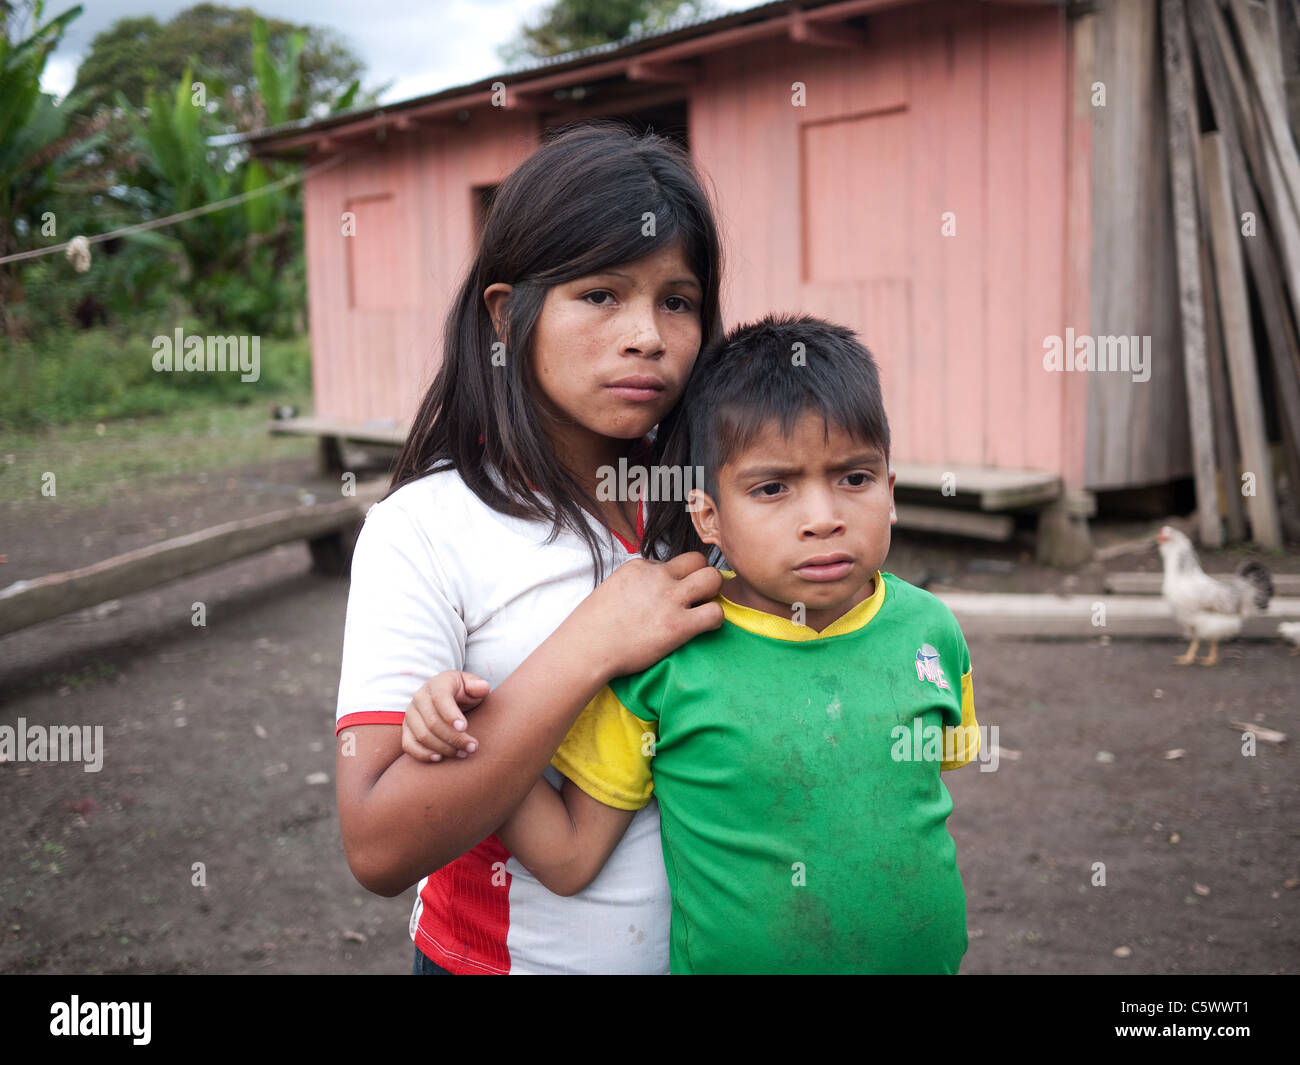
(424, 966)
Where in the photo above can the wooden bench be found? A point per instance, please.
(335, 433)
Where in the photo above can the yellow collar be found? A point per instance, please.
(762, 623)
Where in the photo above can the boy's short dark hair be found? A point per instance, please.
(780, 367)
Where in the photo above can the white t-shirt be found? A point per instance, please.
(441, 581)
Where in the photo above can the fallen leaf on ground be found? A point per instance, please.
(1267, 735)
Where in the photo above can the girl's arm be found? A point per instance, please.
(402, 819)
(563, 840)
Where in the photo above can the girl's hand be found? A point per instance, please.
(434, 727)
(646, 609)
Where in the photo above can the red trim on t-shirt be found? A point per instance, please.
(632, 549)
(466, 915)
(369, 717)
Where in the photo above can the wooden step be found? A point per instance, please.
(995, 489)
(956, 522)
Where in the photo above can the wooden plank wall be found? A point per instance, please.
(836, 207)
(377, 339)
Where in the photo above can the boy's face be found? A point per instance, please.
(801, 519)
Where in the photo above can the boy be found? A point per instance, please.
(803, 825)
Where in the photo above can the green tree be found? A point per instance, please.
(569, 25)
(137, 54)
(219, 47)
(238, 267)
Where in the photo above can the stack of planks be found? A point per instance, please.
(1232, 80)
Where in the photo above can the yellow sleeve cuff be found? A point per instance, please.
(964, 740)
(607, 753)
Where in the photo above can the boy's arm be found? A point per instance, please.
(563, 839)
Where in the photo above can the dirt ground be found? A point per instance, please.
(218, 749)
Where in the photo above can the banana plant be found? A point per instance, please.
(36, 143)
(279, 81)
(234, 255)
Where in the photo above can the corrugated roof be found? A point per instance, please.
(674, 26)
(681, 30)
(684, 28)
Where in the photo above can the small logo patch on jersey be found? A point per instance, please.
(928, 668)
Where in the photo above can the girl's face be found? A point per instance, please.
(612, 351)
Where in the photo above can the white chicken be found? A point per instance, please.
(1208, 608)
(1290, 631)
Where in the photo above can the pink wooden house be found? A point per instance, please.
(959, 180)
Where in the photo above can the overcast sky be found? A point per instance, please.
(419, 45)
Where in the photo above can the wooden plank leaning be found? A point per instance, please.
(1182, 145)
(32, 601)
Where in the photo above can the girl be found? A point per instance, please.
(595, 285)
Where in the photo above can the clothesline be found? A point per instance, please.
(193, 212)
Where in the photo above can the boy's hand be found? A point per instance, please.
(434, 727)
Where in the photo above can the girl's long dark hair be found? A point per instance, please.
(574, 207)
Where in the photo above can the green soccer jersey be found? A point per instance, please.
(797, 773)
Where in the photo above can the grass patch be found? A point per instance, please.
(94, 463)
(88, 407)
(67, 376)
